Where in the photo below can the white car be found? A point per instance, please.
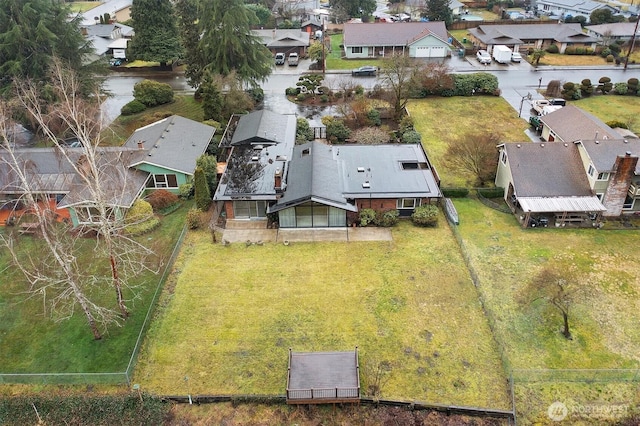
(516, 57)
(483, 57)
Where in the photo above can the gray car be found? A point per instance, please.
(365, 70)
(483, 57)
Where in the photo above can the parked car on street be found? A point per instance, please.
(280, 58)
(483, 57)
(365, 70)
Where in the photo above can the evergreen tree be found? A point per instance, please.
(227, 44)
(439, 10)
(345, 9)
(212, 100)
(32, 33)
(202, 195)
(187, 11)
(156, 38)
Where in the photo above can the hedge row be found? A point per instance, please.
(96, 410)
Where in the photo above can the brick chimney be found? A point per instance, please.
(277, 180)
(619, 183)
(140, 144)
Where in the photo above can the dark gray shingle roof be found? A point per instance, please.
(571, 123)
(603, 152)
(550, 169)
(518, 34)
(399, 34)
(174, 143)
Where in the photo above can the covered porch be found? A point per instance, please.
(558, 212)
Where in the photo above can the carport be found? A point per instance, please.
(560, 211)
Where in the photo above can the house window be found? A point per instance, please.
(628, 203)
(591, 170)
(603, 176)
(407, 203)
(163, 181)
(600, 196)
(356, 49)
(91, 215)
(249, 209)
(414, 165)
(503, 157)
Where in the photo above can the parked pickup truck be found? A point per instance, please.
(545, 106)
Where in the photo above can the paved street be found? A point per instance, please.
(517, 81)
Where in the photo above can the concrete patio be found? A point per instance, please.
(256, 231)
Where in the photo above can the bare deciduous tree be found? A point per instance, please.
(102, 187)
(475, 153)
(397, 75)
(557, 285)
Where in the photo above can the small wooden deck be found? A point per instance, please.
(59, 214)
(323, 377)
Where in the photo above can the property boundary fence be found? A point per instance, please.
(109, 377)
(576, 375)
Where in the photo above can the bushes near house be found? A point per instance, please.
(186, 190)
(133, 107)
(633, 84)
(425, 216)
(387, 219)
(605, 85)
(152, 93)
(553, 49)
(616, 123)
(621, 88)
(162, 199)
(194, 218)
(495, 192)
(411, 136)
(455, 192)
(140, 218)
(337, 131)
(367, 217)
(304, 132)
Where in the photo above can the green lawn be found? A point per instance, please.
(407, 304)
(183, 105)
(82, 6)
(604, 320)
(32, 342)
(441, 120)
(612, 107)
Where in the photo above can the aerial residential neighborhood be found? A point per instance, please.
(308, 212)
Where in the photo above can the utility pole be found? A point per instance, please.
(633, 42)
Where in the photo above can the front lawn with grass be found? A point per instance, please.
(233, 312)
(32, 342)
(613, 107)
(603, 319)
(463, 115)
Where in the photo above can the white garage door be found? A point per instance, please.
(430, 52)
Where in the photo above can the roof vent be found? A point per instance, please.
(597, 142)
(255, 158)
(518, 145)
(566, 144)
(628, 153)
(360, 169)
(541, 145)
(626, 141)
(366, 184)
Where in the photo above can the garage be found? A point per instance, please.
(430, 52)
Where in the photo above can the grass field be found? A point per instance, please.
(82, 6)
(612, 107)
(408, 305)
(467, 114)
(603, 319)
(68, 346)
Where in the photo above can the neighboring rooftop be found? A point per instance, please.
(401, 34)
(603, 152)
(571, 123)
(173, 143)
(520, 33)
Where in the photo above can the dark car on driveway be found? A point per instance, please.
(365, 70)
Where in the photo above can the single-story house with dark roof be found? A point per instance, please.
(160, 155)
(571, 8)
(327, 182)
(613, 31)
(108, 39)
(570, 123)
(254, 152)
(415, 39)
(171, 147)
(284, 41)
(530, 36)
(316, 185)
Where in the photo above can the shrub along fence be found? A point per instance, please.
(111, 378)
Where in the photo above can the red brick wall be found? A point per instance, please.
(228, 208)
(619, 184)
(384, 204)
